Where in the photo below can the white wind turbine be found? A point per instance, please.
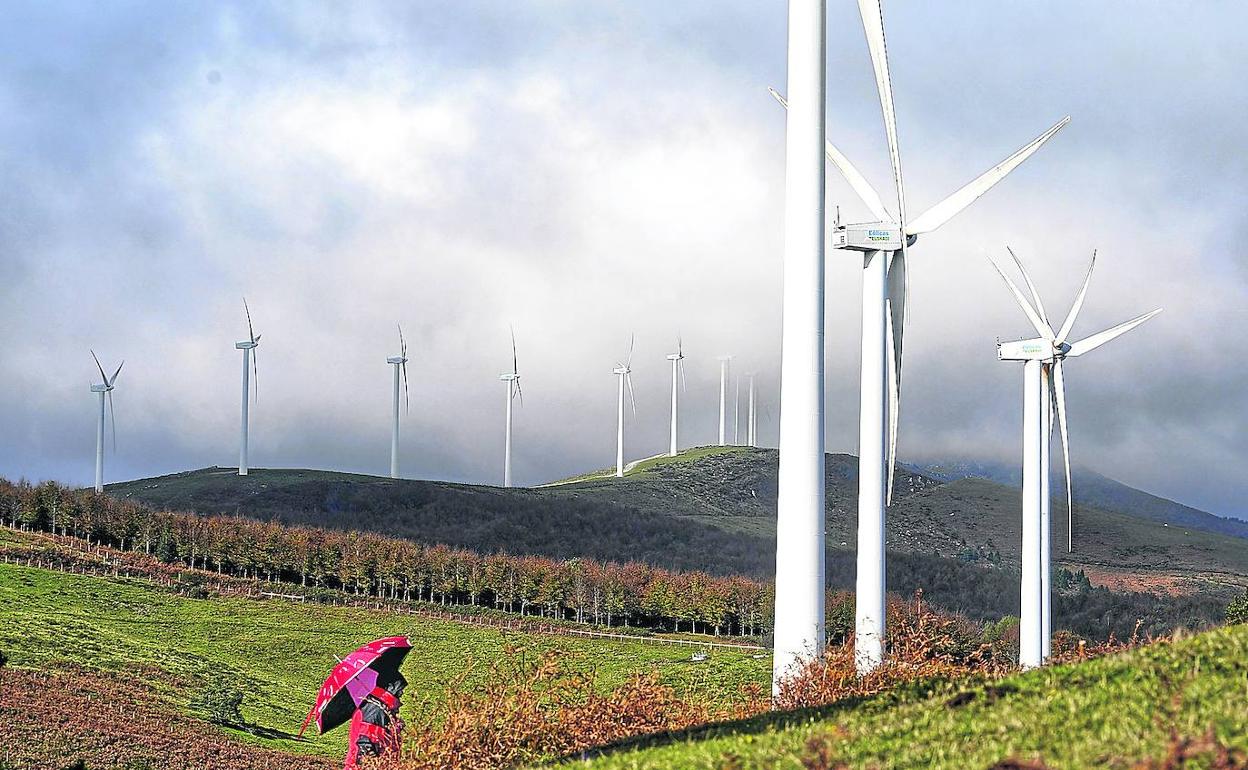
(800, 551)
(398, 362)
(883, 244)
(1044, 389)
(624, 372)
(512, 379)
(105, 388)
(725, 362)
(751, 421)
(678, 372)
(248, 346)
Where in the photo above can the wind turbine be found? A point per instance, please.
(724, 363)
(1044, 389)
(104, 388)
(248, 346)
(800, 552)
(883, 244)
(678, 372)
(512, 379)
(624, 372)
(751, 422)
(398, 362)
(736, 413)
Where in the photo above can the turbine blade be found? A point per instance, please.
(103, 376)
(112, 414)
(402, 342)
(1031, 287)
(873, 24)
(407, 399)
(1088, 344)
(632, 399)
(255, 374)
(856, 180)
(893, 399)
(632, 341)
(680, 365)
(1075, 308)
(251, 333)
(950, 207)
(519, 392)
(1036, 321)
(515, 362)
(1059, 398)
(114, 377)
(898, 287)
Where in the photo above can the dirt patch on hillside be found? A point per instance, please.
(56, 719)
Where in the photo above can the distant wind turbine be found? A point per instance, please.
(678, 373)
(751, 422)
(512, 379)
(883, 244)
(1044, 389)
(624, 372)
(725, 362)
(105, 388)
(736, 413)
(248, 346)
(398, 362)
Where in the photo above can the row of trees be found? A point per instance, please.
(369, 564)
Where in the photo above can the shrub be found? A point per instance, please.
(220, 700)
(1237, 610)
(4, 659)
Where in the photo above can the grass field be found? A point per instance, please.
(280, 652)
(1103, 713)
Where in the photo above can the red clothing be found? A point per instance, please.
(375, 728)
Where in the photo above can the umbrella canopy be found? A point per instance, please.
(374, 665)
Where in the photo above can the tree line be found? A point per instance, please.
(369, 564)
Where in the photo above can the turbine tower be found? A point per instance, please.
(798, 631)
(678, 372)
(883, 244)
(105, 388)
(248, 346)
(751, 422)
(725, 362)
(512, 379)
(398, 362)
(736, 413)
(1044, 389)
(624, 372)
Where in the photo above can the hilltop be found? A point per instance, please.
(1097, 491)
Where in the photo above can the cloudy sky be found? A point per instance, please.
(586, 171)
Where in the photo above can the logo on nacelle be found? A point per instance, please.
(879, 235)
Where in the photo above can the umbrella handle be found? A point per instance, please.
(307, 720)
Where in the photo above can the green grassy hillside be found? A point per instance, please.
(279, 652)
(1104, 713)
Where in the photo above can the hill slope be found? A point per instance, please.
(1108, 712)
(279, 652)
(1097, 491)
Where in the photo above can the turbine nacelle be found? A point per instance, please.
(621, 370)
(509, 376)
(396, 360)
(247, 344)
(868, 236)
(1038, 349)
(101, 388)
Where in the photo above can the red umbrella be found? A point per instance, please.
(373, 665)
